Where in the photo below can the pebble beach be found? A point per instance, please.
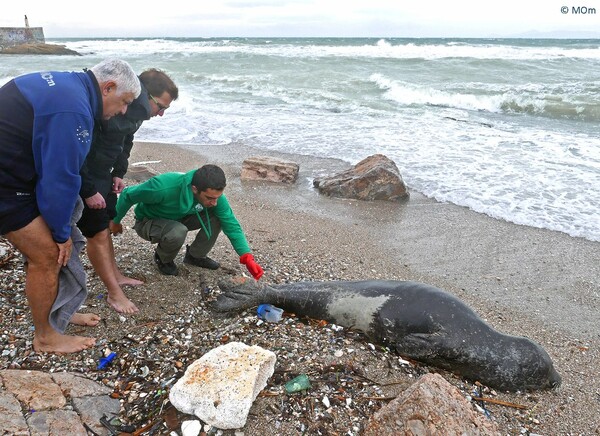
(522, 280)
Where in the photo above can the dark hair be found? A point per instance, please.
(157, 82)
(209, 177)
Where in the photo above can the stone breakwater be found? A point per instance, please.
(29, 40)
(10, 36)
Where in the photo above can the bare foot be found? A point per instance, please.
(128, 281)
(62, 344)
(85, 319)
(121, 303)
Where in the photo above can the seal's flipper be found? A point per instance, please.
(235, 301)
(230, 283)
(420, 346)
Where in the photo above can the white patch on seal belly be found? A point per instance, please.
(355, 310)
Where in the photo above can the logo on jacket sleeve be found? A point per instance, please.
(83, 135)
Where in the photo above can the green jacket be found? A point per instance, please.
(170, 196)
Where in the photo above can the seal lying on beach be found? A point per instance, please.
(420, 321)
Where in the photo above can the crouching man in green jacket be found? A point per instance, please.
(170, 205)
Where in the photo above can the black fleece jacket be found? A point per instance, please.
(111, 145)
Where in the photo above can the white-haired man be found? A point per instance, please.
(46, 124)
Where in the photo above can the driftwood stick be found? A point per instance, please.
(500, 402)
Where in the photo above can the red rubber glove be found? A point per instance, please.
(253, 268)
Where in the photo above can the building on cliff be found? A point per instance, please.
(10, 36)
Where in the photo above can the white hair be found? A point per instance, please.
(119, 72)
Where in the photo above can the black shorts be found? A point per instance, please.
(17, 210)
(93, 221)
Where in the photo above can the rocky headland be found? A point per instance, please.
(38, 48)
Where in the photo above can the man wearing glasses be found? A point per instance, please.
(161, 108)
(102, 179)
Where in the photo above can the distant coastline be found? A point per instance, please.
(558, 35)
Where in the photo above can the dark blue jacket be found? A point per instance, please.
(46, 125)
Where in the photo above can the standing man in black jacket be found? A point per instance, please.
(102, 179)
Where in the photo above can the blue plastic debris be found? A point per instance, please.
(270, 313)
(106, 360)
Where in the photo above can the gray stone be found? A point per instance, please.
(269, 169)
(11, 417)
(75, 386)
(56, 423)
(374, 178)
(428, 407)
(220, 387)
(92, 408)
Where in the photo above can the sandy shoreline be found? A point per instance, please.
(522, 280)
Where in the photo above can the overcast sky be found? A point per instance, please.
(270, 18)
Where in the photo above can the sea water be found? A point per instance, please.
(506, 127)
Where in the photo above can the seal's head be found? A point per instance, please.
(539, 372)
(526, 366)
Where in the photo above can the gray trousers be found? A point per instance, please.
(170, 235)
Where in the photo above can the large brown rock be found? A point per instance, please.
(269, 169)
(431, 406)
(374, 178)
(38, 48)
(35, 403)
(35, 389)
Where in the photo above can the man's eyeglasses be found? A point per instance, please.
(161, 108)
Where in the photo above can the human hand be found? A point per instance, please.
(253, 268)
(96, 201)
(115, 228)
(118, 185)
(64, 251)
